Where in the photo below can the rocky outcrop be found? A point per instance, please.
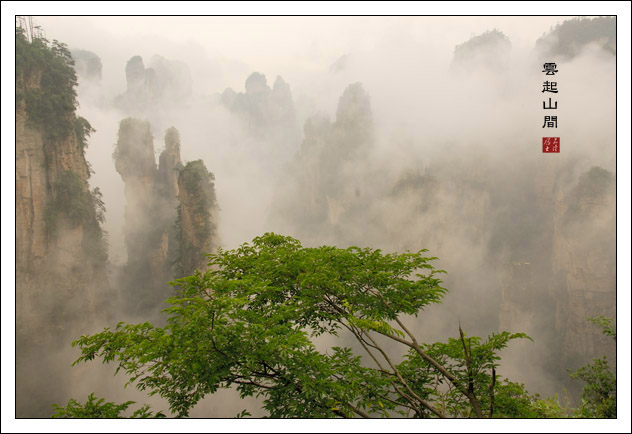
(170, 214)
(150, 210)
(134, 161)
(88, 65)
(489, 50)
(266, 113)
(197, 217)
(164, 81)
(170, 164)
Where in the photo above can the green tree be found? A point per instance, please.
(99, 409)
(45, 82)
(599, 396)
(249, 323)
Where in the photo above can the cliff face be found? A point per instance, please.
(584, 254)
(197, 216)
(571, 276)
(41, 157)
(522, 238)
(54, 244)
(134, 161)
(60, 252)
(31, 183)
(170, 164)
(57, 216)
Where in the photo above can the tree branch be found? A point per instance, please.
(250, 382)
(469, 394)
(358, 411)
(491, 393)
(403, 382)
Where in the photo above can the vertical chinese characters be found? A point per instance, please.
(550, 144)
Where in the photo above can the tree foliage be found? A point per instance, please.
(607, 327)
(83, 130)
(249, 323)
(72, 204)
(198, 183)
(99, 409)
(599, 396)
(70, 201)
(45, 82)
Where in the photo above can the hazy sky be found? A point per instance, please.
(286, 45)
(222, 51)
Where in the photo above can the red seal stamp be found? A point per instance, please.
(551, 144)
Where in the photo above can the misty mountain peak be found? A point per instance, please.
(316, 124)
(281, 87)
(256, 83)
(266, 112)
(570, 37)
(87, 64)
(164, 81)
(281, 93)
(169, 165)
(134, 153)
(135, 73)
(354, 106)
(173, 77)
(228, 97)
(340, 64)
(172, 139)
(489, 50)
(150, 77)
(279, 83)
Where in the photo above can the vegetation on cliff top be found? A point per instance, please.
(196, 183)
(568, 38)
(599, 396)
(45, 81)
(73, 204)
(45, 87)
